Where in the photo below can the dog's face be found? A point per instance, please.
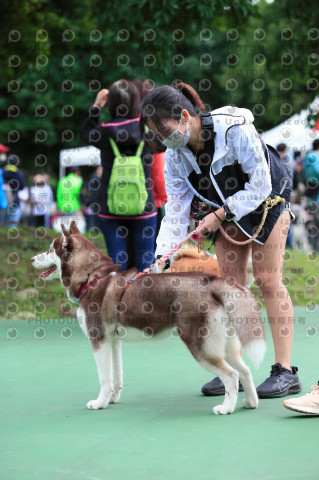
(73, 259)
(50, 260)
(54, 259)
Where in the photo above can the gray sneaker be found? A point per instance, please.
(216, 387)
(281, 382)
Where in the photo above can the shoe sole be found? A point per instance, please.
(216, 393)
(290, 391)
(307, 410)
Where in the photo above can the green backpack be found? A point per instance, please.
(126, 193)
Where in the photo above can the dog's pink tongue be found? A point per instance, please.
(47, 271)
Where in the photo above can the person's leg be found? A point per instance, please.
(13, 214)
(267, 269)
(130, 248)
(312, 229)
(159, 220)
(232, 260)
(115, 234)
(39, 221)
(143, 237)
(289, 237)
(316, 229)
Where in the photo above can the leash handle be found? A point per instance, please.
(172, 251)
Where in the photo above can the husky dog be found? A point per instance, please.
(215, 318)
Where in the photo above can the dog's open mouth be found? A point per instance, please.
(47, 272)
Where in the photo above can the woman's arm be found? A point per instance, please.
(91, 131)
(177, 210)
(157, 173)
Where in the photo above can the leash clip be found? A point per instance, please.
(271, 202)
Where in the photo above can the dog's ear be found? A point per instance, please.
(65, 231)
(65, 234)
(74, 228)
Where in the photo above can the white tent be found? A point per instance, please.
(75, 157)
(294, 132)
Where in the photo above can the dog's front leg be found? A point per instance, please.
(103, 357)
(117, 371)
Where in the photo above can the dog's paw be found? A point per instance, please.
(116, 394)
(97, 404)
(115, 397)
(250, 402)
(222, 410)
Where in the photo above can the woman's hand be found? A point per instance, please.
(211, 222)
(101, 98)
(158, 268)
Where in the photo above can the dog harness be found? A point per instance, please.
(131, 280)
(85, 287)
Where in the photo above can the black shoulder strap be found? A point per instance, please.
(207, 120)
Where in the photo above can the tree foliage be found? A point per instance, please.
(55, 57)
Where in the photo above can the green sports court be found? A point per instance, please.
(163, 428)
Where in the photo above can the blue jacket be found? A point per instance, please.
(3, 197)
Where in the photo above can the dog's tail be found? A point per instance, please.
(256, 350)
(244, 316)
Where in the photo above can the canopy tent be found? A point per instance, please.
(76, 157)
(294, 132)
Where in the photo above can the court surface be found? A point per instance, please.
(163, 428)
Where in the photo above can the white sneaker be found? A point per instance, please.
(308, 403)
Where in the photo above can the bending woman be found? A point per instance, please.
(219, 155)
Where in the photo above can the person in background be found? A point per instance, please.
(41, 198)
(122, 100)
(68, 193)
(24, 197)
(3, 197)
(89, 192)
(282, 149)
(13, 179)
(157, 171)
(310, 171)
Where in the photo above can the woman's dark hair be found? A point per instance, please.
(165, 103)
(123, 99)
(143, 86)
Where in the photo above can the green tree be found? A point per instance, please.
(55, 57)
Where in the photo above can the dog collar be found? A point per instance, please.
(83, 290)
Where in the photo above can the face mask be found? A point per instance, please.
(177, 139)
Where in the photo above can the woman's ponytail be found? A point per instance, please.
(191, 95)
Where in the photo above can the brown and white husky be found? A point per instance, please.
(215, 318)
